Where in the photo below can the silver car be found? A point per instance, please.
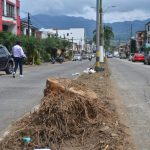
(77, 57)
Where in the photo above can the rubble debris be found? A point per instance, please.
(71, 116)
(89, 71)
(75, 74)
(42, 149)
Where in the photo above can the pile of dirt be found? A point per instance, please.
(71, 117)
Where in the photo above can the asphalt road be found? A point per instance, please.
(19, 95)
(133, 81)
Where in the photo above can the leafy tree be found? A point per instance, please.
(108, 35)
(133, 46)
(8, 39)
(37, 50)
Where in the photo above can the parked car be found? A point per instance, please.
(147, 58)
(77, 57)
(138, 57)
(122, 55)
(130, 56)
(116, 54)
(109, 55)
(85, 56)
(6, 60)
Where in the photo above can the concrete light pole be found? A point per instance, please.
(28, 24)
(101, 34)
(97, 67)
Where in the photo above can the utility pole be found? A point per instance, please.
(131, 31)
(72, 46)
(97, 67)
(101, 34)
(28, 24)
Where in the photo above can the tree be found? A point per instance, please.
(7, 39)
(108, 35)
(37, 50)
(133, 45)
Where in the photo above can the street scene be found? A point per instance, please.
(74, 77)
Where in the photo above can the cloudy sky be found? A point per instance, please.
(123, 10)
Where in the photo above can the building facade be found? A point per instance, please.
(147, 28)
(10, 16)
(33, 30)
(74, 35)
(140, 39)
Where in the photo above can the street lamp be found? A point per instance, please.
(97, 67)
(99, 34)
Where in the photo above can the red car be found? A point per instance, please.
(138, 57)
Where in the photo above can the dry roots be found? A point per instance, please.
(69, 113)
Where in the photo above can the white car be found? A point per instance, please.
(77, 57)
(110, 55)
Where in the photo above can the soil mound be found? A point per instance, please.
(70, 115)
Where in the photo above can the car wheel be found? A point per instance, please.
(9, 69)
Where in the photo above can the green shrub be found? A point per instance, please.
(34, 48)
(38, 61)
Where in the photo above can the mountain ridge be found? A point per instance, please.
(122, 30)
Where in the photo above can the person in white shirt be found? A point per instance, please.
(18, 55)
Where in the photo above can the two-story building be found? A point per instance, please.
(140, 39)
(74, 35)
(10, 16)
(147, 28)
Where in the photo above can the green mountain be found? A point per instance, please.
(64, 22)
(122, 30)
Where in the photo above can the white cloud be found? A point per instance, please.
(89, 13)
(128, 16)
(125, 10)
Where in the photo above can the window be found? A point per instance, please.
(10, 10)
(5, 28)
(148, 39)
(148, 28)
(3, 7)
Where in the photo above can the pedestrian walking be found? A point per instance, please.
(18, 55)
